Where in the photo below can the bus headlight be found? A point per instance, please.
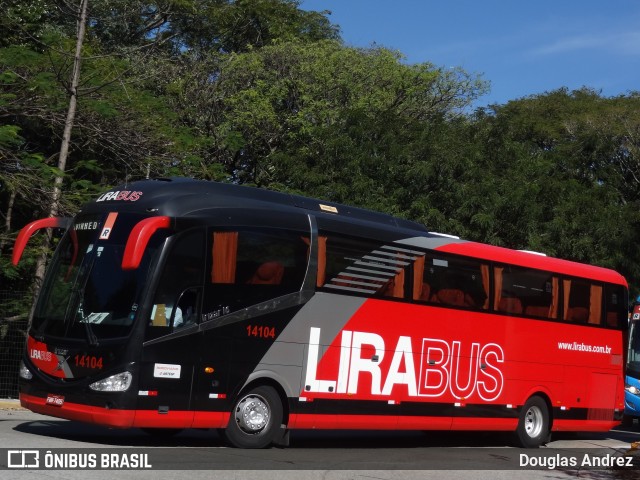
(25, 372)
(633, 390)
(119, 382)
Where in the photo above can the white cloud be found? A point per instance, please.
(622, 43)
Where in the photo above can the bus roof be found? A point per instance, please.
(185, 197)
(180, 197)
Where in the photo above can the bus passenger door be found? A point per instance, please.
(169, 353)
(210, 391)
(251, 291)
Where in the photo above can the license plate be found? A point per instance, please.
(55, 400)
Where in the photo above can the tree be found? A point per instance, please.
(125, 127)
(562, 168)
(305, 117)
(263, 93)
(223, 26)
(42, 153)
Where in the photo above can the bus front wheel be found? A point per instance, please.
(533, 425)
(255, 418)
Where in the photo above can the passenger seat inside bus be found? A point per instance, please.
(453, 296)
(537, 310)
(510, 305)
(425, 292)
(577, 314)
(269, 273)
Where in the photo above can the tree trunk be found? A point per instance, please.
(7, 219)
(71, 112)
(54, 209)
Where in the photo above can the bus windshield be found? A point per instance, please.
(86, 294)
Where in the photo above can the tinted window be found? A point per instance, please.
(175, 303)
(350, 265)
(582, 301)
(250, 266)
(87, 293)
(615, 304)
(452, 281)
(525, 291)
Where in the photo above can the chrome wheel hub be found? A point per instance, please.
(252, 414)
(533, 422)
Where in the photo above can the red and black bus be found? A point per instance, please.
(177, 303)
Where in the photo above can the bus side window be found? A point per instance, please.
(250, 266)
(582, 301)
(615, 306)
(356, 265)
(363, 266)
(182, 272)
(522, 291)
(188, 308)
(268, 273)
(451, 281)
(395, 287)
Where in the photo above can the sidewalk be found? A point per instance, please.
(10, 404)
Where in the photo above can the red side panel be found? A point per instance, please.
(82, 413)
(125, 418)
(465, 361)
(171, 419)
(26, 233)
(139, 238)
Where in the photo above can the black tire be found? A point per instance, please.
(255, 419)
(533, 425)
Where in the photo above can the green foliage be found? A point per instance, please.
(564, 167)
(9, 136)
(263, 93)
(306, 117)
(243, 25)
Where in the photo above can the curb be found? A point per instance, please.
(10, 404)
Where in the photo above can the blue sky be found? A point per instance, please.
(521, 47)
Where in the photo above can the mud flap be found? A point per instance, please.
(282, 438)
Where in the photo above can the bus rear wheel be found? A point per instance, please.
(533, 425)
(255, 418)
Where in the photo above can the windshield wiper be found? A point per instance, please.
(77, 298)
(91, 337)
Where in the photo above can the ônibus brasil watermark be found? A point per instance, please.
(203, 458)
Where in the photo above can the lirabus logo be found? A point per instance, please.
(427, 367)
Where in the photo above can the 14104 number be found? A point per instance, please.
(88, 361)
(261, 331)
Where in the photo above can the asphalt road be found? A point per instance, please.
(359, 455)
